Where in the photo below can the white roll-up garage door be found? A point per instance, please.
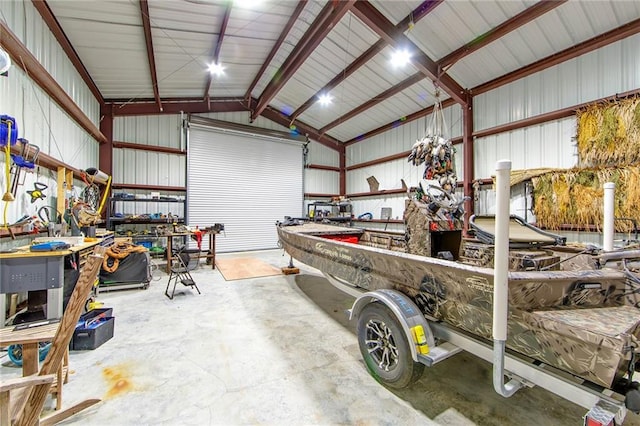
(246, 181)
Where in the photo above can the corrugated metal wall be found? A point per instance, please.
(155, 130)
(28, 26)
(389, 174)
(318, 181)
(152, 168)
(133, 166)
(401, 138)
(545, 145)
(601, 73)
(40, 120)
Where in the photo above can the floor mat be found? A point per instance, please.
(238, 268)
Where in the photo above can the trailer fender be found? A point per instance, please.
(413, 322)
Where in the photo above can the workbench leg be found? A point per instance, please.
(169, 254)
(55, 298)
(30, 358)
(3, 309)
(212, 247)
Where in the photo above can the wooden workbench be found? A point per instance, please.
(212, 247)
(30, 339)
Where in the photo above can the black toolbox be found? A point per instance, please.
(93, 329)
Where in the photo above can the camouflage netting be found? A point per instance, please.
(608, 151)
(576, 197)
(609, 134)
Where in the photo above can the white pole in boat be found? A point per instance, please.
(501, 256)
(500, 280)
(609, 197)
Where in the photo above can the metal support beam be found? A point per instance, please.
(105, 153)
(292, 20)
(468, 168)
(501, 30)
(329, 16)
(177, 106)
(597, 42)
(418, 13)
(218, 46)
(303, 128)
(405, 84)
(146, 25)
(23, 58)
(54, 26)
(343, 171)
(399, 122)
(368, 14)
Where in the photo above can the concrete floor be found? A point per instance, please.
(274, 350)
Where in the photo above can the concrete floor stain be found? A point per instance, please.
(118, 379)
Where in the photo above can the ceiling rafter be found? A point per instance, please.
(418, 13)
(372, 17)
(501, 30)
(399, 122)
(54, 26)
(24, 59)
(493, 34)
(216, 49)
(329, 16)
(617, 34)
(292, 20)
(146, 25)
(392, 91)
(279, 117)
(191, 105)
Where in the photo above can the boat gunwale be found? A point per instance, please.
(513, 276)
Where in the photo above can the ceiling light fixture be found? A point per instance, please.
(325, 99)
(216, 69)
(5, 61)
(400, 58)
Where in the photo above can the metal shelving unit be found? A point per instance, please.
(113, 221)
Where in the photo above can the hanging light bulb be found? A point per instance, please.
(216, 69)
(400, 58)
(5, 61)
(325, 99)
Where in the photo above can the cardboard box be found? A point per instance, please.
(93, 329)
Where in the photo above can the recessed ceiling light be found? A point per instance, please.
(325, 99)
(216, 69)
(400, 58)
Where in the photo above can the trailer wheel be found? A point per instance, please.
(385, 348)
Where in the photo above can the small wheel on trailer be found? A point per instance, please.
(385, 349)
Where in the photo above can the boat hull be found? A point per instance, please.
(553, 317)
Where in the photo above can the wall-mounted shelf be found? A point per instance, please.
(377, 193)
(113, 221)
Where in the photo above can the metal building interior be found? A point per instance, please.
(180, 106)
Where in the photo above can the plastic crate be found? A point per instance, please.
(146, 244)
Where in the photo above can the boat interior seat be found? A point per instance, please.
(521, 233)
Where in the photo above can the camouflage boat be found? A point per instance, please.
(572, 308)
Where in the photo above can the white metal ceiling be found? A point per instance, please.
(109, 39)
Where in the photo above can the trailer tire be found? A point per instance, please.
(385, 349)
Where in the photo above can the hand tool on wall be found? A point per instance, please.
(24, 162)
(8, 138)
